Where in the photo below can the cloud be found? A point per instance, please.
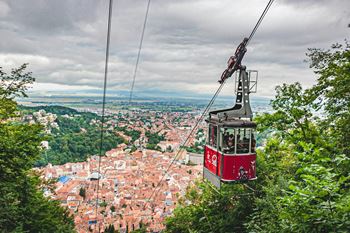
(186, 44)
(4, 9)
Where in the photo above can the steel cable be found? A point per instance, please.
(187, 138)
(139, 52)
(103, 107)
(260, 20)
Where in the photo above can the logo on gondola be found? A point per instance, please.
(242, 174)
(211, 158)
(252, 164)
(214, 160)
(208, 156)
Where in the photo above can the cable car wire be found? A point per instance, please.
(139, 51)
(103, 104)
(105, 90)
(156, 190)
(185, 142)
(260, 20)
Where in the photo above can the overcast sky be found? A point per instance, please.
(186, 43)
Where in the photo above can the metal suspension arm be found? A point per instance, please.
(234, 62)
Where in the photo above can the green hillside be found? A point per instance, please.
(77, 135)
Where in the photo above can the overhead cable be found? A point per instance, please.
(103, 106)
(139, 51)
(260, 20)
(186, 140)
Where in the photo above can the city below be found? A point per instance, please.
(133, 183)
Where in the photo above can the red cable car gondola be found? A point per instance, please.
(229, 155)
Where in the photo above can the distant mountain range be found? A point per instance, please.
(96, 94)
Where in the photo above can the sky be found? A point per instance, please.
(186, 43)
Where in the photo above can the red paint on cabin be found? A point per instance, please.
(239, 167)
(212, 160)
(235, 167)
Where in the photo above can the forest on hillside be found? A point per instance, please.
(303, 170)
(75, 138)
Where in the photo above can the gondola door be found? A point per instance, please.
(212, 156)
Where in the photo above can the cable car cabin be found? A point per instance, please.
(229, 155)
(230, 151)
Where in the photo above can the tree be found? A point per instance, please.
(308, 183)
(23, 205)
(110, 229)
(169, 149)
(69, 143)
(332, 93)
(103, 204)
(82, 192)
(143, 229)
(13, 85)
(204, 209)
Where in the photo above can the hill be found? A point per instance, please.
(72, 135)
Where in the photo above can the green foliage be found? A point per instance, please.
(143, 229)
(82, 192)
(332, 93)
(19, 146)
(25, 209)
(169, 149)
(198, 146)
(23, 205)
(154, 138)
(56, 109)
(300, 189)
(110, 229)
(75, 147)
(292, 113)
(76, 138)
(16, 83)
(315, 200)
(103, 204)
(153, 147)
(194, 149)
(134, 134)
(204, 209)
(133, 149)
(303, 169)
(13, 85)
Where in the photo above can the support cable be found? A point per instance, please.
(259, 21)
(156, 190)
(103, 107)
(139, 52)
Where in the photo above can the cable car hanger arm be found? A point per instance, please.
(234, 62)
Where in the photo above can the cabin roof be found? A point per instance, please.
(238, 123)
